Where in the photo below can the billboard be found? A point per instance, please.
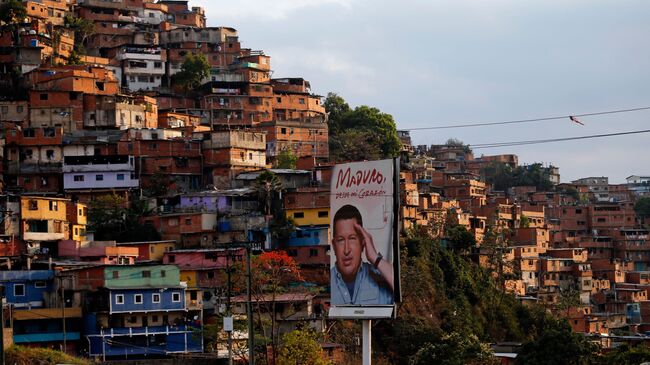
(364, 254)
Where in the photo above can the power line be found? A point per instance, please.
(538, 141)
(468, 125)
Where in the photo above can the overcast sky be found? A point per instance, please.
(433, 63)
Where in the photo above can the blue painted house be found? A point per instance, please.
(141, 311)
(36, 310)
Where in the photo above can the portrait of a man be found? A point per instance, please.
(354, 281)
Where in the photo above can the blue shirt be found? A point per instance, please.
(367, 291)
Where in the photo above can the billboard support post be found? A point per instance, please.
(367, 341)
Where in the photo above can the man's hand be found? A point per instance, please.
(384, 267)
(367, 242)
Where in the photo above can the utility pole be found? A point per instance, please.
(249, 308)
(65, 342)
(228, 306)
(2, 325)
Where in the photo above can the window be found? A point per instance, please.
(54, 206)
(99, 177)
(323, 214)
(283, 130)
(157, 64)
(176, 297)
(78, 178)
(120, 177)
(116, 274)
(119, 299)
(43, 96)
(100, 85)
(19, 109)
(188, 221)
(313, 252)
(163, 273)
(146, 274)
(210, 275)
(171, 258)
(155, 298)
(250, 155)
(299, 215)
(301, 101)
(49, 154)
(40, 284)
(33, 205)
(137, 299)
(19, 290)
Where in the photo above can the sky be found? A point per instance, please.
(434, 63)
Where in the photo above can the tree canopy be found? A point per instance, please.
(194, 70)
(301, 347)
(362, 133)
(642, 208)
(12, 12)
(82, 28)
(557, 346)
(111, 218)
(502, 177)
(286, 159)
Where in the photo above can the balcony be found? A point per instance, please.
(46, 337)
(97, 164)
(14, 167)
(46, 313)
(43, 236)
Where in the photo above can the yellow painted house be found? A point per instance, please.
(78, 219)
(310, 216)
(43, 219)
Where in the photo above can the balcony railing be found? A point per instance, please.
(150, 330)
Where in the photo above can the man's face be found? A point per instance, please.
(347, 248)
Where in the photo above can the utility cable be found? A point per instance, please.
(538, 141)
(468, 125)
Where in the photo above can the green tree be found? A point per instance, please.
(557, 346)
(642, 208)
(460, 239)
(12, 13)
(83, 28)
(268, 187)
(626, 355)
(158, 185)
(569, 298)
(455, 349)
(454, 142)
(355, 145)
(194, 70)
(111, 218)
(286, 159)
(336, 108)
(281, 228)
(502, 177)
(301, 347)
(371, 129)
